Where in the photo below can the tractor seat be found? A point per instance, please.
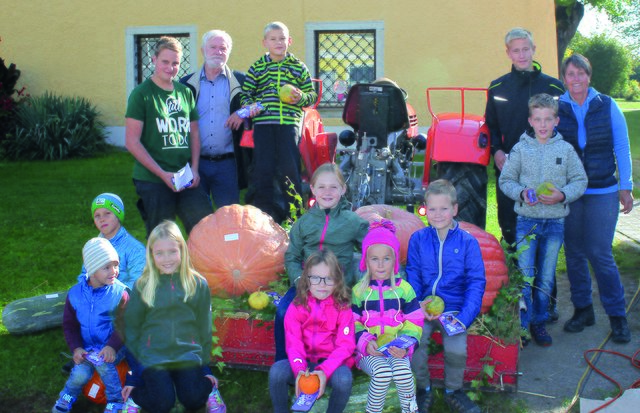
(376, 110)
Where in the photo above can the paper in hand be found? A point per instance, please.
(183, 178)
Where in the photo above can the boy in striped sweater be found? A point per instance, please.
(281, 83)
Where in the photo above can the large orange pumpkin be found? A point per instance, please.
(406, 223)
(238, 249)
(495, 267)
(94, 389)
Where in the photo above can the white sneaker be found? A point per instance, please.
(130, 406)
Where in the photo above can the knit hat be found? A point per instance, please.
(381, 232)
(97, 253)
(110, 201)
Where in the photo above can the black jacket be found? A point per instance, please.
(507, 104)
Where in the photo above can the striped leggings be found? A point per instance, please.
(382, 370)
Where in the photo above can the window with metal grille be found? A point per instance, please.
(343, 58)
(144, 49)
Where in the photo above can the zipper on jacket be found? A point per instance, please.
(279, 73)
(324, 230)
(440, 249)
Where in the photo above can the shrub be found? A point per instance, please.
(52, 127)
(10, 98)
(632, 91)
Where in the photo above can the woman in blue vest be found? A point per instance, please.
(595, 126)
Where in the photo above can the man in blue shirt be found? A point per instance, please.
(216, 89)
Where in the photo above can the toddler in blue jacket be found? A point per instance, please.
(445, 261)
(89, 319)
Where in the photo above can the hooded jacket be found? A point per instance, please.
(452, 269)
(321, 334)
(339, 230)
(531, 163)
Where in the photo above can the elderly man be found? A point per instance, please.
(217, 91)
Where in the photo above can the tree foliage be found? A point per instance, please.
(610, 60)
(569, 13)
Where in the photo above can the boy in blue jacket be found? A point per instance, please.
(445, 261)
(107, 210)
(91, 310)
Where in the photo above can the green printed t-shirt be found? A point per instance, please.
(167, 117)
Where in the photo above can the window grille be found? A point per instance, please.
(144, 49)
(343, 58)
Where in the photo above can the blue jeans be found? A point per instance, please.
(81, 374)
(539, 262)
(160, 203)
(278, 325)
(281, 375)
(162, 385)
(220, 180)
(588, 236)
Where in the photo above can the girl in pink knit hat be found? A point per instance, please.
(388, 320)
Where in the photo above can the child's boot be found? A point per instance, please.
(540, 335)
(458, 401)
(63, 404)
(424, 398)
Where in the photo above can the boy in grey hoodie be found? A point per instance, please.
(543, 174)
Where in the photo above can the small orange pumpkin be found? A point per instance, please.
(406, 223)
(495, 267)
(238, 249)
(309, 384)
(94, 389)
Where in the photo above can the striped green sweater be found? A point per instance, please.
(263, 83)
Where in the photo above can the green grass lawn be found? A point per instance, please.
(45, 220)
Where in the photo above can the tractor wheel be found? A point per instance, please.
(470, 181)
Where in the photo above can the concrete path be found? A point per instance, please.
(551, 375)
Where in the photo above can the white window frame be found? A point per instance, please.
(310, 52)
(132, 32)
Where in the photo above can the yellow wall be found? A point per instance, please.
(78, 47)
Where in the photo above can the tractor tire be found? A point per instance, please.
(470, 181)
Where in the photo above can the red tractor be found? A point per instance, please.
(385, 131)
(458, 149)
(380, 168)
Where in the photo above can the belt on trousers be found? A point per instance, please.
(215, 158)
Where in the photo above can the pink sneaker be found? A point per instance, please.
(215, 403)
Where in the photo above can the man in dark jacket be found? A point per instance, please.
(217, 92)
(507, 111)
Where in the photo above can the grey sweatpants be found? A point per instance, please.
(455, 357)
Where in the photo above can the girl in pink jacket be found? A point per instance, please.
(319, 335)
